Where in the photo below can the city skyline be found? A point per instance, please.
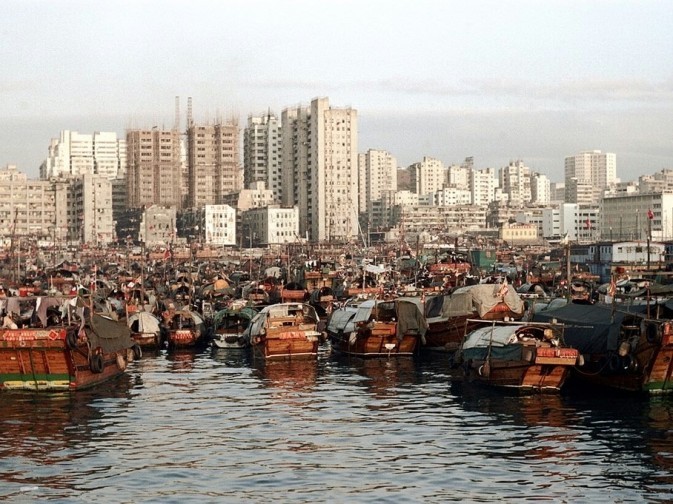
(495, 81)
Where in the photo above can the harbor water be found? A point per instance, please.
(220, 427)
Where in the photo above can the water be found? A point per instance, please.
(218, 427)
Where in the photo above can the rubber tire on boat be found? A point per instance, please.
(121, 362)
(71, 340)
(96, 363)
(615, 363)
(137, 351)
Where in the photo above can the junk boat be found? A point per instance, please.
(55, 343)
(284, 331)
(521, 357)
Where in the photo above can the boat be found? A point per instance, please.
(451, 316)
(183, 328)
(145, 329)
(56, 343)
(284, 331)
(518, 357)
(626, 348)
(373, 328)
(229, 325)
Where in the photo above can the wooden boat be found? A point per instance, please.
(229, 325)
(284, 331)
(183, 328)
(375, 328)
(451, 316)
(524, 357)
(69, 351)
(145, 329)
(623, 350)
(293, 293)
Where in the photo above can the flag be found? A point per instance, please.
(502, 292)
(167, 254)
(587, 223)
(613, 287)
(650, 214)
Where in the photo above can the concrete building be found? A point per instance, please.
(540, 189)
(378, 173)
(518, 233)
(158, 225)
(581, 223)
(551, 223)
(595, 168)
(440, 219)
(28, 207)
(459, 175)
(581, 192)
(272, 225)
(220, 225)
(90, 210)
(452, 195)
(428, 176)
(73, 154)
(154, 169)
(262, 152)
(627, 217)
(482, 186)
(515, 183)
(213, 163)
(320, 169)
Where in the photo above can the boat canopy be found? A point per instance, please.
(480, 298)
(495, 336)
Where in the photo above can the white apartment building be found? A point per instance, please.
(482, 186)
(595, 168)
(452, 195)
(581, 223)
(428, 176)
(320, 169)
(540, 189)
(74, 154)
(378, 173)
(459, 175)
(262, 152)
(551, 222)
(515, 183)
(220, 225)
(272, 225)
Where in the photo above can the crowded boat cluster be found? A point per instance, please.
(529, 322)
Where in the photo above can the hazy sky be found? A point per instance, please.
(497, 80)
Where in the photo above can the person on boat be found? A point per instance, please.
(8, 322)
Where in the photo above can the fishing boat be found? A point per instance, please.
(627, 348)
(373, 328)
(145, 329)
(521, 357)
(451, 316)
(50, 343)
(284, 331)
(183, 328)
(229, 325)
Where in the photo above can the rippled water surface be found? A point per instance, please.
(218, 427)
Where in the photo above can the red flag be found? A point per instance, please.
(167, 254)
(587, 223)
(650, 214)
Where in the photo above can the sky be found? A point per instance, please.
(496, 80)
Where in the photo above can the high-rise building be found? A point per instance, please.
(428, 176)
(320, 169)
(515, 183)
(74, 154)
(540, 189)
(153, 168)
(90, 210)
(213, 162)
(482, 186)
(262, 152)
(593, 168)
(378, 173)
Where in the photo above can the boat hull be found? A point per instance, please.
(42, 360)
